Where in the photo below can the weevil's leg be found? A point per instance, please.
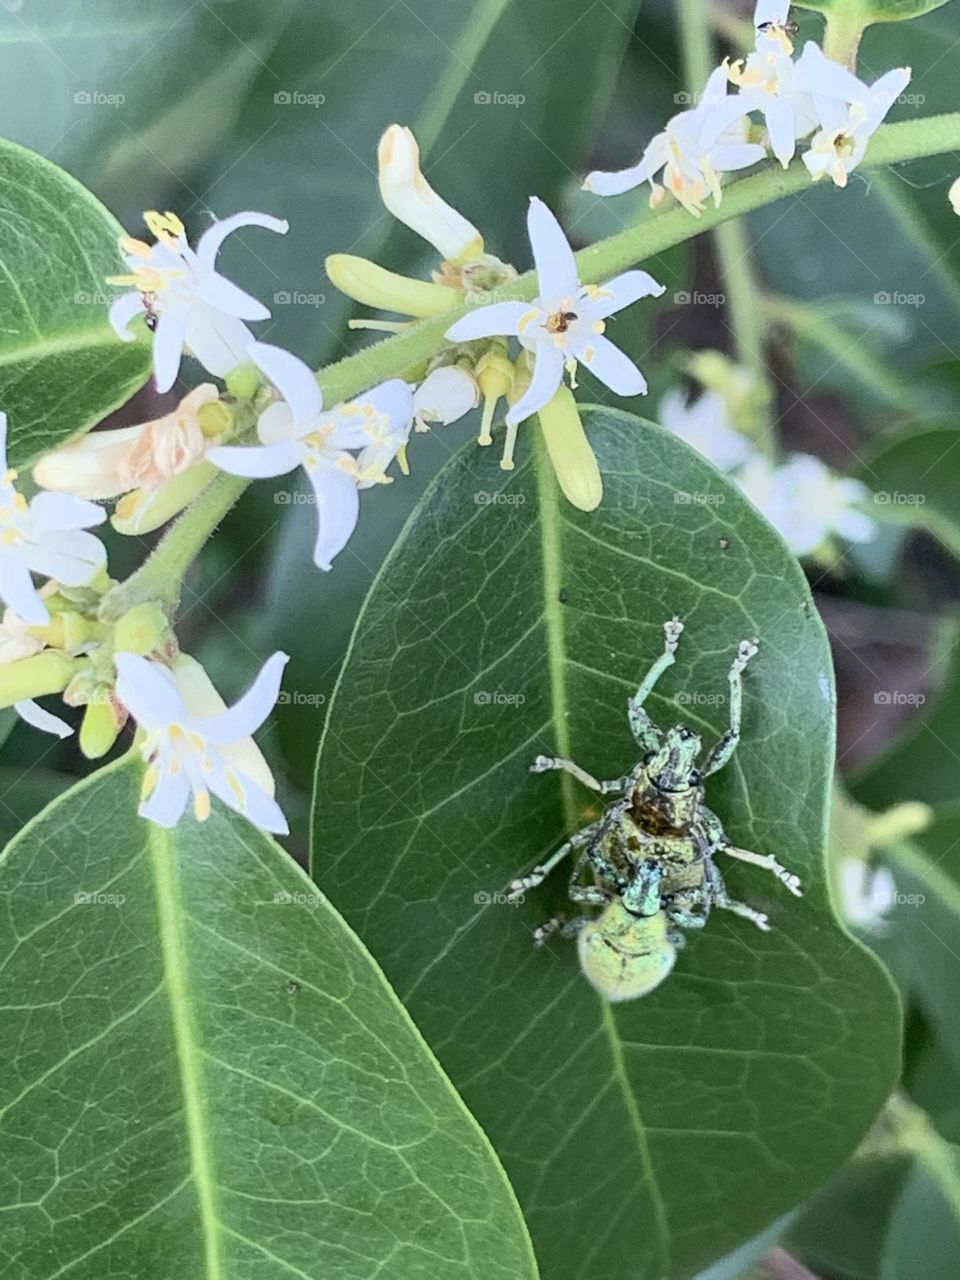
(769, 863)
(685, 919)
(720, 754)
(644, 730)
(720, 896)
(741, 909)
(558, 925)
(677, 938)
(539, 874)
(543, 764)
(589, 894)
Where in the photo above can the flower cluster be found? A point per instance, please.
(794, 97)
(808, 504)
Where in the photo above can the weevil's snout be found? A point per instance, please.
(672, 767)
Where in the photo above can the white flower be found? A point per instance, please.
(194, 744)
(566, 321)
(866, 894)
(104, 464)
(849, 111)
(43, 536)
(296, 432)
(447, 394)
(690, 152)
(187, 302)
(806, 502)
(16, 642)
(410, 198)
(705, 425)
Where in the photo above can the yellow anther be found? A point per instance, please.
(526, 319)
(201, 806)
(598, 326)
(162, 224)
(150, 779)
(233, 782)
(134, 248)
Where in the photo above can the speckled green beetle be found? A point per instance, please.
(651, 854)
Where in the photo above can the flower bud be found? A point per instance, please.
(374, 286)
(28, 678)
(570, 451)
(215, 419)
(102, 722)
(141, 630)
(144, 510)
(496, 374)
(68, 630)
(243, 382)
(445, 395)
(899, 823)
(409, 197)
(105, 464)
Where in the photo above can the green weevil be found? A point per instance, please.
(650, 856)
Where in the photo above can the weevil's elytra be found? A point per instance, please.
(648, 860)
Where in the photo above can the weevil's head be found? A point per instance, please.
(672, 768)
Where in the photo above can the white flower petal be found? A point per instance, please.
(217, 291)
(721, 117)
(293, 379)
(257, 462)
(209, 243)
(447, 394)
(166, 804)
(122, 311)
(614, 369)
(775, 11)
(552, 255)
(781, 126)
(815, 73)
(338, 509)
(220, 342)
(148, 691)
(61, 512)
(248, 713)
(168, 340)
(615, 183)
(17, 590)
(623, 290)
(257, 806)
(728, 157)
(547, 376)
(34, 715)
(498, 319)
(72, 558)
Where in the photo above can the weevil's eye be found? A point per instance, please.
(684, 734)
(649, 758)
(695, 778)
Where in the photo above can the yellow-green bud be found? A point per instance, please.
(243, 383)
(215, 417)
(100, 727)
(899, 823)
(142, 511)
(67, 630)
(374, 286)
(570, 451)
(141, 630)
(47, 672)
(495, 373)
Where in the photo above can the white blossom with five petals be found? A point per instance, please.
(704, 424)
(190, 305)
(691, 153)
(298, 432)
(195, 745)
(44, 536)
(564, 325)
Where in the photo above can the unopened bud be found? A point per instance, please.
(243, 382)
(28, 678)
(570, 451)
(141, 630)
(446, 395)
(143, 511)
(899, 823)
(102, 722)
(409, 197)
(374, 286)
(215, 418)
(68, 630)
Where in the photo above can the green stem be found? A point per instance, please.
(159, 578)
(842, 35)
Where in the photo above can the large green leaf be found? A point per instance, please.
(62, 368)
(924, 1234)
(207, 1076)
(644, 1139)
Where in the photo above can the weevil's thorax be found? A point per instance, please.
(625, 956)
(666, 789)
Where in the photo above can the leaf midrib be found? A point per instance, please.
(79, 341)
(550, 541)
(185, 1041)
